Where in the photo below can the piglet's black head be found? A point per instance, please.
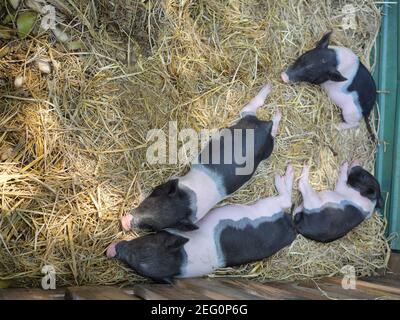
(158, 256)
(315, 66)
(366, 184)
(168, 206)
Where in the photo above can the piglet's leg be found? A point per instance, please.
(271, 205)
(284, 185)
(298, 209)
(257, 101)
(341, 184)
(310, 196)
(351, 117)
(276, 118)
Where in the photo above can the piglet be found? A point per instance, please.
(346, 80)
(228, 236)
(179, 203)
(329, 215)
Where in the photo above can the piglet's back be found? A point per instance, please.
(251, 240)
(328, 223)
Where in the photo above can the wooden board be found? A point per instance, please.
(334, 290)
(166, 292)
(376, 290)
(391, 280)
(263, 290)
(217, 290)
(97, 293)
(31, 294)
(294, 288)
(387, 287)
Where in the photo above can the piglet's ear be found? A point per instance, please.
(186, 225)
(380, 203)
(324, 42)
(370, 193)
(335, 75)
(175, 242)
(169, 188)
(172, 187)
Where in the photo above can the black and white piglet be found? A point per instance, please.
(329, 215)
(179, 203)
(228, 236)
(346, 80)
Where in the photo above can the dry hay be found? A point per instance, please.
(74, 142)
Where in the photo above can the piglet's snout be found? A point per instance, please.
(285, 77)
(126, 222)
(355, 163)
(111, 250)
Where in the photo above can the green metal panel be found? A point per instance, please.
(386, 74)
(395, 203)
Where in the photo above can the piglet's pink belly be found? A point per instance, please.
(352, 196)
(331, 197)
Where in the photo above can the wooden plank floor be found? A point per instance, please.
(386, 287)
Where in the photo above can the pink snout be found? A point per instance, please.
(126, 222)
(111, 250)
(285, 77)
(355, 163)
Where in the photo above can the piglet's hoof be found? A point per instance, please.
(277, 116)
(126, 222)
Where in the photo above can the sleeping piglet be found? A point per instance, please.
(179, 203)
(329, 215)
(228, 236)
(346, 80)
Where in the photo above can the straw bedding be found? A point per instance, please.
(73, 142)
